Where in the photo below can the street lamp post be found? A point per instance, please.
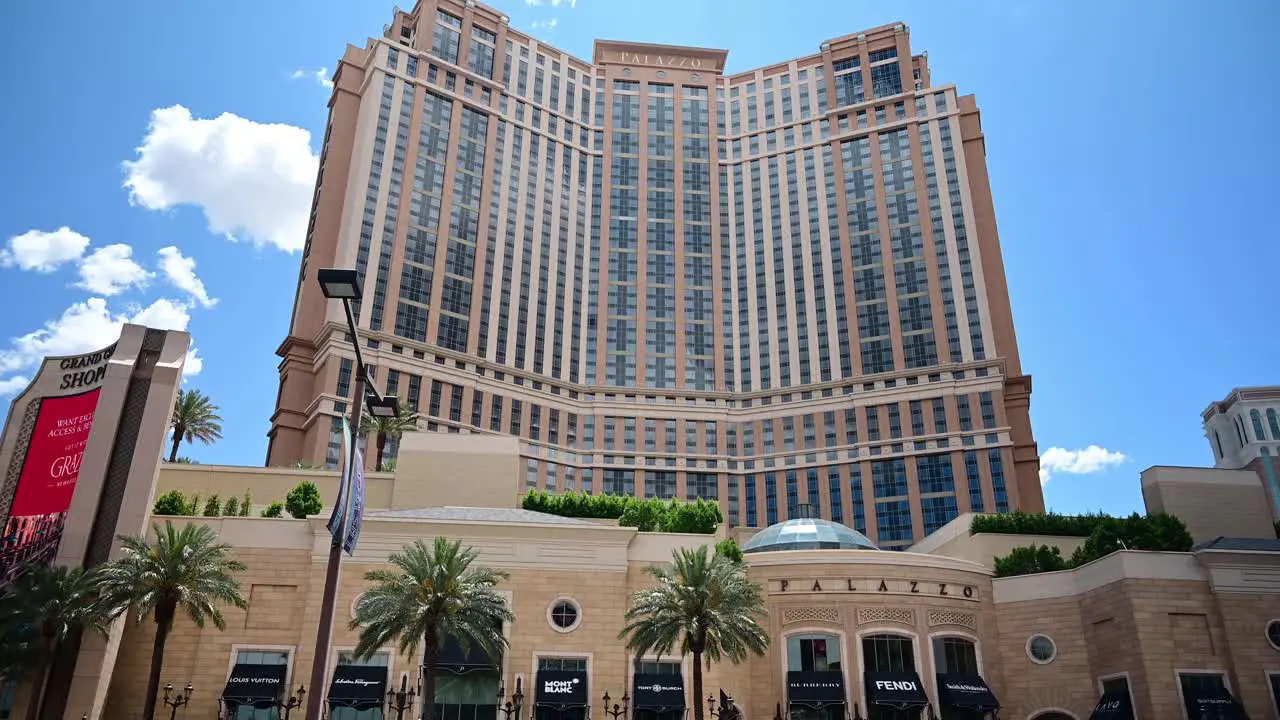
(511, 707)
(344, 285)
(618, 709)
(402, 699)
(294, 701)
(182, 699)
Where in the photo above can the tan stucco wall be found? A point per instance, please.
(1212, 502)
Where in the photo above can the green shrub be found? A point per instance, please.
(246, 503)
(1024, 523)
(1030, 560)
(212, 507)
(1154, 533)
(730, 549)
(170, 503)
(303, 500)
(1158, 533)
(645, 516)
(652, 515)
(232, 508)
(274, 510)
(193, 505)
(700, 516)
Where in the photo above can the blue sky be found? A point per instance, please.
(1127, 144)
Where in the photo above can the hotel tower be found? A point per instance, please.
(773, 288)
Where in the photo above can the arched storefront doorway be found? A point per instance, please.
(891, 681)
(815, 677)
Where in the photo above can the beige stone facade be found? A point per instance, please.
(1145, 617)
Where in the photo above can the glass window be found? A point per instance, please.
(813, 653)
(259, 657)
(954, 655)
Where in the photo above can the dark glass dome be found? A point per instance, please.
(808, 534)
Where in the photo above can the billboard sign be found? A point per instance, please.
(46, 462)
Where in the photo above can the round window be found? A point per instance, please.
(565, 615)
(1041, 650)
(1273, 633)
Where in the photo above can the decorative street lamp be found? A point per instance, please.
(294, 701)
(402, 699)
(726, 711)
(618, 709)
(182, 698)
(342, 284)
(512, 706)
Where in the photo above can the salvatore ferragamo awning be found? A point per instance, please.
(358, 686)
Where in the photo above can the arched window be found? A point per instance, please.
(889, 653)
(1255, 417)
(813, 666)
(955, 656)
(1274, 421)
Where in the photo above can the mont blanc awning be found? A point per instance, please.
(658, 692)
(814, 688)
(896, 690)
(966, 692)
(358, 686)
(1113, 706)
(561, 689)
(1212, 704)
(258, 686)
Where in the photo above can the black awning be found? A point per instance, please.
(896, 690)
(256, 685)
(658, 692)
(561, 688)
(815, 688)
(1113, 706)
(454, 660)
(358, 686)
(965, 692)
(1209, 703)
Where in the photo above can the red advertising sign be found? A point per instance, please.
(47, 482)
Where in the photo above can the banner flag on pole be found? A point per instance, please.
(356, 516)
(338, 520)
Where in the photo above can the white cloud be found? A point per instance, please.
(545, 24)
(193, 365)
(320, 75)
(13, 385)
(180, 271)
(43, 251)
(111, 270)
(252, 180)
(1084, 461)
(86, 326)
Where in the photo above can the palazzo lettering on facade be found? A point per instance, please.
(874, 586)
(657, 60)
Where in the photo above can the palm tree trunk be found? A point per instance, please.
(430, 663)
(177, 441)
(164, 623)
(382, 444)
(38, 679)
(697, 685)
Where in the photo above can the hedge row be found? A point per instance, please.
(1024, 523)
(652, 515)
(1158, 532)
(303, 500)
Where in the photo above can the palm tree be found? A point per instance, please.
(195, 417)
(185, 570)
(44, 607)
(704, 605)
(385, 428)
(433, 593)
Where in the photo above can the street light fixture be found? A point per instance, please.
(176, 702)
(342, 284)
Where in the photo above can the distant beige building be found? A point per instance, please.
(767, 288)
(853, 628)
